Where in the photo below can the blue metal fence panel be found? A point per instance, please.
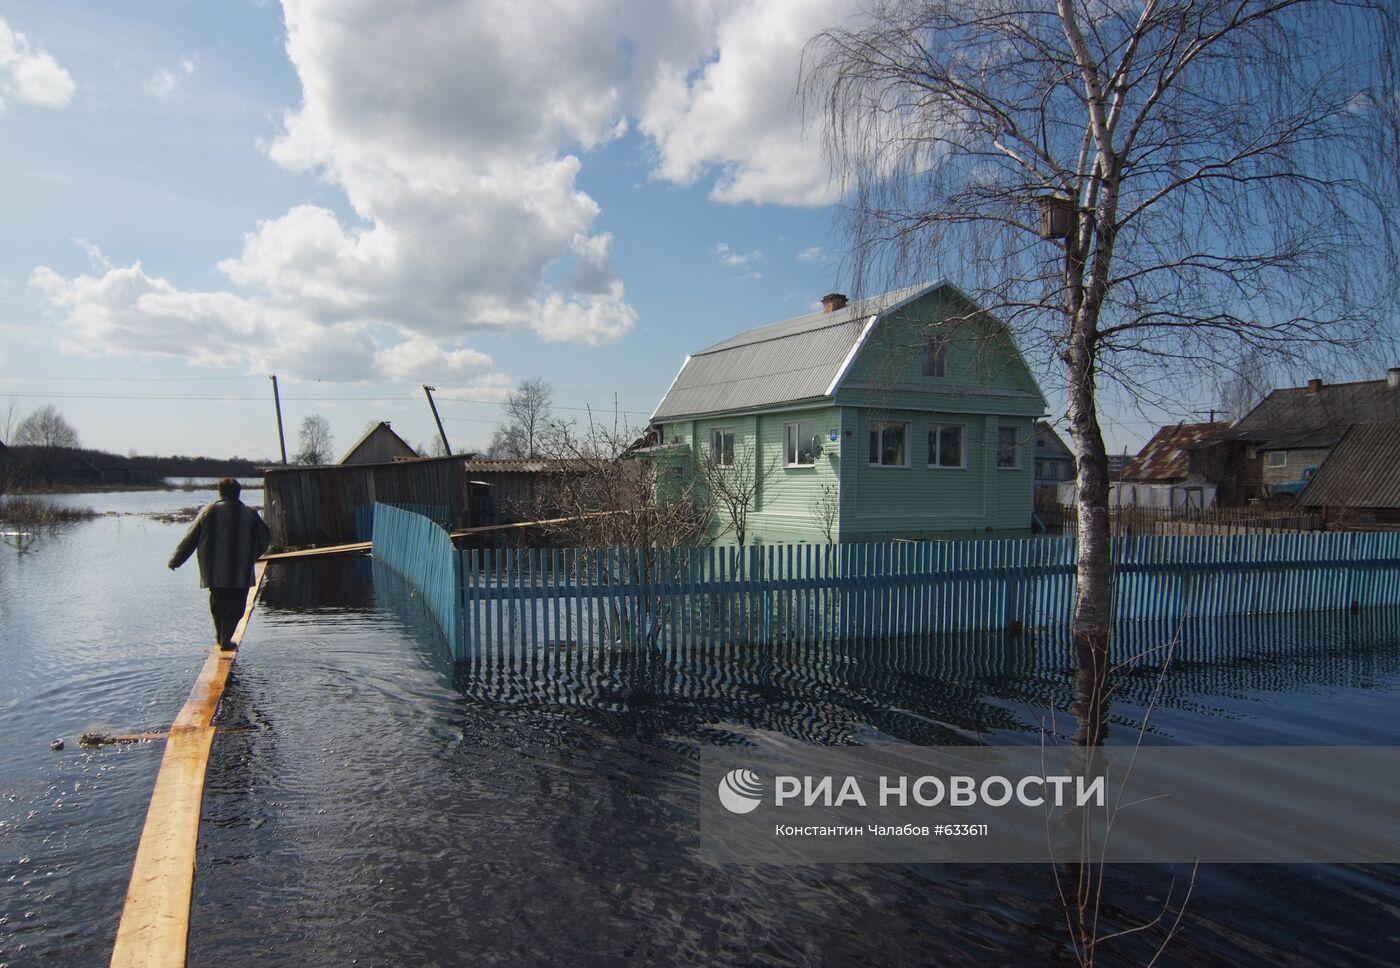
(421, 550)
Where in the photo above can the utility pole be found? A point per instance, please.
(277, 402)
(1202, 413)
(428, 392)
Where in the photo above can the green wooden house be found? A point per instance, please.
(907, 415)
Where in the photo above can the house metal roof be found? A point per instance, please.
(527, 465)
(1166, 456)
(1362, 471)
(1295, 417)
(789, 362)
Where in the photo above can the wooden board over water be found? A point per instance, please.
(357, 547)
(154, 929)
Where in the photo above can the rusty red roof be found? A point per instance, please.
(1166, 457)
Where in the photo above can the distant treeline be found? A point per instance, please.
(31, 466)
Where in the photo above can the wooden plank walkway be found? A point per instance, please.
(154, 929)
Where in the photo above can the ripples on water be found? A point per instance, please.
(385, 807)
(368, 803)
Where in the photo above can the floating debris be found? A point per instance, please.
(56, 745)
(90, 740)
(182, 516)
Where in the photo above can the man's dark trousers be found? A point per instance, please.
(226, 605)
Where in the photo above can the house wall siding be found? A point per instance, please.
(984, 373)
(922, 501)
(1297, 460)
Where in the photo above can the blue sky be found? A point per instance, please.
(362, 197)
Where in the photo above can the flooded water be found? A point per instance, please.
(369, 804)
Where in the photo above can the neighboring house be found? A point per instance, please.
(1296, 427)
(1177, 468)
(379, 445)
(1173, 470)
(1359, 482)
(1054, 462)
(914, 410)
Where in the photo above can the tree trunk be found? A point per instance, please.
(1093, 614)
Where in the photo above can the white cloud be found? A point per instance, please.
(164, 80)
(457, 131)
(422, 361)
(735, 260)
(813, 253)
(124, 311)
(734, 112)
(31, 74)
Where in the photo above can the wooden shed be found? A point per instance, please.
(379, 444)
(518, 489)
(332, 504)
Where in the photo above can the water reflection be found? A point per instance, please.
(387, 806)
(958, 688)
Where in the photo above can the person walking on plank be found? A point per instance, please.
(229, 536)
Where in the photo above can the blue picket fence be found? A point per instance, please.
(516, 602)
(364, 516)
(421, 550)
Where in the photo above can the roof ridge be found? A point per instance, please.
(725, 345)
(1327, 386)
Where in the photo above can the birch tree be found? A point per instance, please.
(316, 441)
(1142, 189)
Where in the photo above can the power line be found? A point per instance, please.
(48, 378)
(239, 398)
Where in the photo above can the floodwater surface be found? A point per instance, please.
(369, 804)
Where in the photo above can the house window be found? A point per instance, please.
(945, 445)
(722, 447)
(1278, 458)
(889, 444)
(800, 443)
(1008, 448)
(936, 356)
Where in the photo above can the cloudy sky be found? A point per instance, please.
(363, 196)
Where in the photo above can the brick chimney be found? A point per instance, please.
(833, 301)
(1314, 386)
(1392, 378)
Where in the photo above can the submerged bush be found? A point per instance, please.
(33, 512)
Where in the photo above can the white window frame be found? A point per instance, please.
(879, 427)
(717, 454)
(1015, 464)
(1283, 462)
(935, 431)
(935, 362)
(792, 443)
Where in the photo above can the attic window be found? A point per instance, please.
(936, 356)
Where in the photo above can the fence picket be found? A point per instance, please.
(504, 604)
